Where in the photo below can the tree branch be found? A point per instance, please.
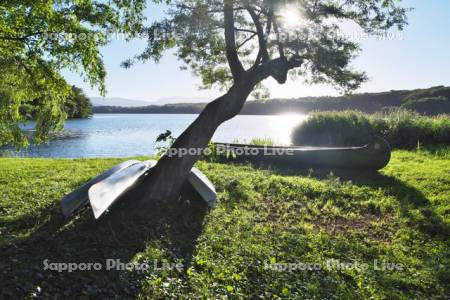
(277, 68)
(277, 33)
(263, 54)
(269, 22)
(246, 40)
(244, 30)
(184, 6)
(232, 56)
(21, 38)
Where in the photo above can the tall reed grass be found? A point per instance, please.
(400, 127)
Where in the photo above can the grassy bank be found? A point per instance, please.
(391, 229)
(401, 128)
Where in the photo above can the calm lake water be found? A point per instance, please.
(121, 135)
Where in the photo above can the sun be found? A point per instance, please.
(291, 16)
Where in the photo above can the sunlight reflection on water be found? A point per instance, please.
(119, 135)
(282, 126)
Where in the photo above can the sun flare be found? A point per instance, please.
(291, 16)
(283, 125)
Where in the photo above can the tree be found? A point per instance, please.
(238, 44)
(39, 39)
(78, 106)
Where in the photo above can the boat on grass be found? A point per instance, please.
(105, 189)
(77, 199)
(373, 156)
(103, 194)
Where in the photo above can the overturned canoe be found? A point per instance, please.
(105, 189)
(373, 156)
(203, 186)
(103, 194)
(79, 198)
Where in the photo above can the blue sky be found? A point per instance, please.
(418, 57)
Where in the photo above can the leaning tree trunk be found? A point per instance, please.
(169, 174)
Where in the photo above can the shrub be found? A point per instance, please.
(334, 129)
(401, 128)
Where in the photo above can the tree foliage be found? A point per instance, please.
(76, 106)
(222, 40)
(39, 39)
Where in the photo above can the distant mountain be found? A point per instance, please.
(180, 100)
(98, 101)
(124, 102)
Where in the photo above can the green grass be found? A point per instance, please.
(264, 217)
(262, 141)
(403, 129)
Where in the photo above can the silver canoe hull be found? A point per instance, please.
(103, 194)
(203, 186)
(79, 198)
(105, 189)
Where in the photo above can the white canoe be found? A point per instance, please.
(79, 198)
(103, 194)
(203, 186)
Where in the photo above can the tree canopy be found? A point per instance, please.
(39, 39)
(76, 106)
(222, 40)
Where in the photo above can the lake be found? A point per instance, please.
(123, 135)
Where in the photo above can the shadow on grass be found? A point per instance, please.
(172, 229)
(410, 199)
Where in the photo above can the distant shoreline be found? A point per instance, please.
(185, 113)
(432, 101)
